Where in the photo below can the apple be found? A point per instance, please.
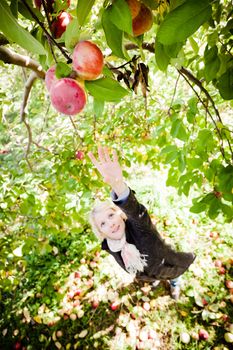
(59, 334)
(79, 155)
(203, 334)
(229, 284)
(204, 302)
(58, 26)
(95, 303)
(77, 274)
(88, 60)
(17, 345)
(143, 22)
(114, 306)
(228, 337)
(218, 263)
(68, 96)
(50, 77)
(73, 317)
(184, 337)
(134, 7)
(221, 271)
(77, 292)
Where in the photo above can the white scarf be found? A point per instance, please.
(134, 261)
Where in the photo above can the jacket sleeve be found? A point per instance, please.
(134, 211)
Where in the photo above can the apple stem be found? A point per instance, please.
(69, 60)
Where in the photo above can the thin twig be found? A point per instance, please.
(207, 110)
(29, 143)
(174, 93)
(28, 86)
(76, 130)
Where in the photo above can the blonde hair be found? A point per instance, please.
(100, 207)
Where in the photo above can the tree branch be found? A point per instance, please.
(69, 60)
(11, 57)
(27, 88)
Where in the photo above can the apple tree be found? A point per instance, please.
(141, 41)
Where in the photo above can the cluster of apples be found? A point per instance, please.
(60, 19)
(68, 95)
(142, 17)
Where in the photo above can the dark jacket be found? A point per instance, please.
(162, 261)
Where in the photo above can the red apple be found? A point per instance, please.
(204, 302)
(229, 284)
(79, 155)
(218, 263)
(134, 7)
(59, 25)
(50, 77)
(77, 292)
(88, 60)
(114, 306)
(17, 345)
(143, 22)
(68, 96)
(221, 271)
(77, 274)
(203, 334)
(95, 303)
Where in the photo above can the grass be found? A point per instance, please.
(64, 299)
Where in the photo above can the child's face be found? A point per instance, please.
(110, 223)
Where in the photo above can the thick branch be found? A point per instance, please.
(28, 86)
(11, 57)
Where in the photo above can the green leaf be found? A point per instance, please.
(172, 50)
(198, 208)
(62, 70)
(169, 149)
(98, 107)
(82, 10)
(194, 45)
(106, 89)
(113, 35)
(119, 14)
(212, 63)
(161, 57)
(178, 130)
(183, 21)
(225, 84)
(214, 208)
(14, 8)
(72, 34)
(205, 137)
(14, 32)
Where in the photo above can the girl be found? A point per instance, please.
(128, 234)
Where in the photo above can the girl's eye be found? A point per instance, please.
(102, 224)
(110, 215)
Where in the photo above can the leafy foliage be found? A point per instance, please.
(165, 103)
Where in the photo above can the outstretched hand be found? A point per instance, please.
(109, 168)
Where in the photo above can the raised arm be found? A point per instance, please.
(110, 169)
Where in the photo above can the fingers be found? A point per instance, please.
(115, 157)
(107, 156)
(104, 156)
(93, 159)
(101, 154)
